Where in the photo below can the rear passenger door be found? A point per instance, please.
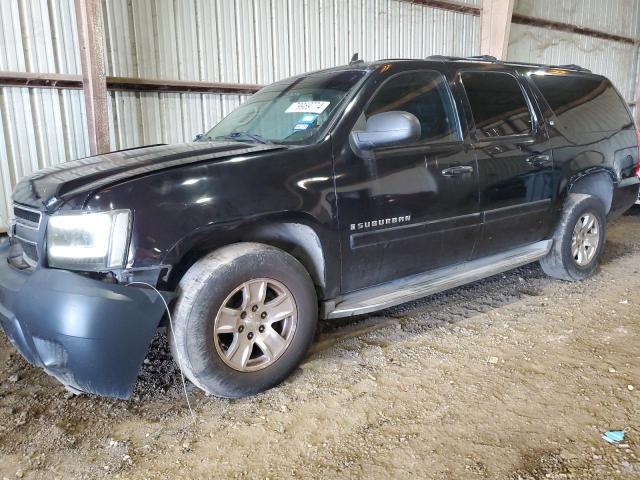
(514, 161)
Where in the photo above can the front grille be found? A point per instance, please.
(26, 236)
(29, 250)
(28, 217)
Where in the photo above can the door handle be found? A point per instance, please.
(538, 160)
(457, 170)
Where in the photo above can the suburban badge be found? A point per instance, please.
(382, 222)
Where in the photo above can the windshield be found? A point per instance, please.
(292, 111)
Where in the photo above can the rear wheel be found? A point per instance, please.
(245, 318)
(579, 239)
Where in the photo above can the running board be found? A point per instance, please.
(418, 286)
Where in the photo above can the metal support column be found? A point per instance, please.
(495, 25)
(91, 36)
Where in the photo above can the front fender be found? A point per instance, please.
(299, 236)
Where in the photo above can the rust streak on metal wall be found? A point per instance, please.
(565, 27)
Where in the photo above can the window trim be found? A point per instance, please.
(528, 137)
(422, 143)
(340, 109)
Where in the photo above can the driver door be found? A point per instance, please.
(408, 208)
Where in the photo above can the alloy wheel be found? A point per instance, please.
(585, 239)
(255, 324)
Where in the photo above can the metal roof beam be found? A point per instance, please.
(451, 5)
(567, 27)
(55, 80)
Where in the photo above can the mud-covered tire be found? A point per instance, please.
(202, 292)
(559, 262)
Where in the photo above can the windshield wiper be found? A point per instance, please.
(238, 136)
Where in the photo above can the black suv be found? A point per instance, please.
(330, 194)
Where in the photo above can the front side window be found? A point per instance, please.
(497, 103)
(424, 94)
(291, 112)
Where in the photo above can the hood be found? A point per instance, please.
(49, 188)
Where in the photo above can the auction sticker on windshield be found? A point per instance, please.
(307, 107)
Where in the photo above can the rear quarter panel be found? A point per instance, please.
(590, 135)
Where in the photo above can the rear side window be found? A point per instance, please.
(588, 104)
(498, 104)
(424, 94)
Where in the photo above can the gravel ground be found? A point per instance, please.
(513, 377)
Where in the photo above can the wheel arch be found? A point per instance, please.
(598, 182)
(296, 236)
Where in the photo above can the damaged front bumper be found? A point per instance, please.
(90, 335)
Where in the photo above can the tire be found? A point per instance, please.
(204, 353)
(559, 262)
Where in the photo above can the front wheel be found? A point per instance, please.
(579, 239)
(244, 320)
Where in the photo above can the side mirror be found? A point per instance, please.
(198, 137)
(387, 129)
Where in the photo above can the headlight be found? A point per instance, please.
(88, 241)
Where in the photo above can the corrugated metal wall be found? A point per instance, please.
(255, 41)
(616, 60)
(260, 41)
(619, 17)
(39, 127)
(248, 41)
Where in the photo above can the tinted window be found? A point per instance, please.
(497, 103)
(584, 103)
(424, 94)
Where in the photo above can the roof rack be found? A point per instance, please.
(445, 58)
(484, 58)
(573, 66)
(492, 59)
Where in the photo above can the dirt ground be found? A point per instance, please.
(513, 377)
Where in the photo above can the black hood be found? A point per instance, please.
(49, 188)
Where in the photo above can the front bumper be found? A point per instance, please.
(90, 335)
